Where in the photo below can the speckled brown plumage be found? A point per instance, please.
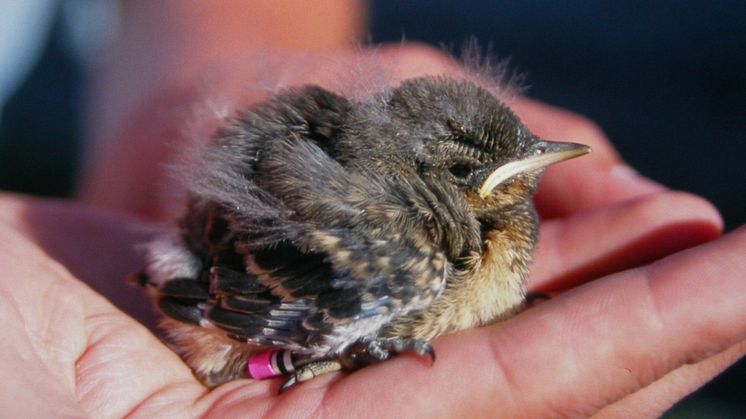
(348, 231)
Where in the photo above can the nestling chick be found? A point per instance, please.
(339, 233)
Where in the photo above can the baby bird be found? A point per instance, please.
(323, 233)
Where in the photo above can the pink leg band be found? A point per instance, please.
(260, 366)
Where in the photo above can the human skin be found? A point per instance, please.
(637, 321)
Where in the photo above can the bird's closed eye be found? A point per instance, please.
(461, 171)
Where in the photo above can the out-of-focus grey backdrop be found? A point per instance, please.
(666, 81)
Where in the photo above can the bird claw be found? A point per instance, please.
(429, 351)
(291, 382)
(418, 347)
(534, 298)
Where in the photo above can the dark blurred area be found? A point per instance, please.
(39, 129)
(665, 80)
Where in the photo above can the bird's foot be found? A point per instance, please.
(359, 355)
(309, 371)
(373, 351)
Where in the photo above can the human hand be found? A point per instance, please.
(621, 339)
(634, 339)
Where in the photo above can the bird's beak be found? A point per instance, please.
(547, 153)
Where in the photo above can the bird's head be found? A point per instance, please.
(471, 151)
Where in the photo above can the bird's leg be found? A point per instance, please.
(361, 354)
(310, 370)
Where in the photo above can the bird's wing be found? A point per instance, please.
(296, 295)
(304, 271)
(333, 280)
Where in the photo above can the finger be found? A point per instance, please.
(591, 181)
(655, 399)
(101, 248)
(597, 242)
(68, 343)
(577, 353)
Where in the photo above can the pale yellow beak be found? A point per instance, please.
(550, 153)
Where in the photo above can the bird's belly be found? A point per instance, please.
(493, 290)
(495, 300)
(474, 306)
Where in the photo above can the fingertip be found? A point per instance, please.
(694, 208)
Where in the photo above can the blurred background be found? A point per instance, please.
(665, 80)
